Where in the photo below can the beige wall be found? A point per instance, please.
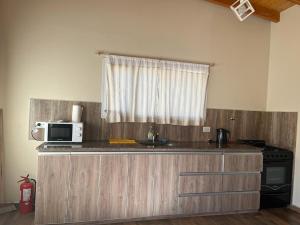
(52, 45)
(284, 76)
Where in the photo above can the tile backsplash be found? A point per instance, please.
(277, 128)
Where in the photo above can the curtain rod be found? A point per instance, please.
(159, 58)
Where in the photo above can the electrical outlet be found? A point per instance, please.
(206, 130)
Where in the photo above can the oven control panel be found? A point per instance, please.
(278, 154)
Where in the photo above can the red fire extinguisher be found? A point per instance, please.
(27, 189)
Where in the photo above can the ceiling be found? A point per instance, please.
(266, 9)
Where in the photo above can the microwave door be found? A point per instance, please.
(60, 132)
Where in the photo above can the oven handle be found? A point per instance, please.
(280, 160)
(276, 188)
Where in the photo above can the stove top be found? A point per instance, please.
(256, 143)
(269, 152)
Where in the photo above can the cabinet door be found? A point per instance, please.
(52, 189)
(1, 158)
(240, 201)
(243, 162)
(200, 184)
(140, 186)
(193, 163)
(165, 194)
(241, 182)
(113, 187)
(200, 204)
(84, 188)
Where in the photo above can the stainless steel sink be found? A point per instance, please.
(157, 143)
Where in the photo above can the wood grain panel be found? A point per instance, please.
(84, 188)
(240, 201)
(200, 184)
(52, 189)
(241, 182)
(53, 110)
(193, 163)
(113, 187)
(200, 204)
(165, 185)
(140, 186)
(278, 5)
(1, 158)
(277, 128)
(243, 162)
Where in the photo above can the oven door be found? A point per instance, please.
(276, 200)
(276, 176)
(60, 132)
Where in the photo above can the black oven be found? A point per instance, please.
(276, 176)
(276, 179)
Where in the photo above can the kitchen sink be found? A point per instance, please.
(157, 143)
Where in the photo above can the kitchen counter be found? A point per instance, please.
(173, 147)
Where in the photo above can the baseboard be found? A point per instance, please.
(5, 208)
(294, 208)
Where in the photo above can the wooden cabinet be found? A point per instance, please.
(113, 187)
(1, 158)
(97, 187)
(84, 188)
(200, 204)
(140, 186)
(243, 162)
(240, 201)
(199, 174)
(165, 185)
(241, 182)
(200, 184)
(195, 163)
(52, 189)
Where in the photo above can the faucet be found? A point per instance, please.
(152, 134)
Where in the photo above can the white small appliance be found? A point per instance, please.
(61, 131)
(77, 113)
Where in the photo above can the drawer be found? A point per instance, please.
(243, 162)
(200, 204)
(240, 201)
(241, 182)
(193, 163)
(200, 184)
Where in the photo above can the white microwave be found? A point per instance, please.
(61, 131)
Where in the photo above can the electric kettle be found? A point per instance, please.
(222, 137)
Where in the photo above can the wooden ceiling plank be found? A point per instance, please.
(295, 1)
(260, 11)
(277, 5)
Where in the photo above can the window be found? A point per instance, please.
(150, 90)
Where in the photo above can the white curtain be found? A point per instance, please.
(129, 89)
(182, 93)
(150, 90)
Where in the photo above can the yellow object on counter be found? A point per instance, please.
(121, 141)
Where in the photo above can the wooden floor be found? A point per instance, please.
(264, 217)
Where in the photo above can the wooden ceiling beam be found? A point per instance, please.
(295, 1)
(260, 11)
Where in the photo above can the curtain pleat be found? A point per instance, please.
(149, 90)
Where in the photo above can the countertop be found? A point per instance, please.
(175, 147)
